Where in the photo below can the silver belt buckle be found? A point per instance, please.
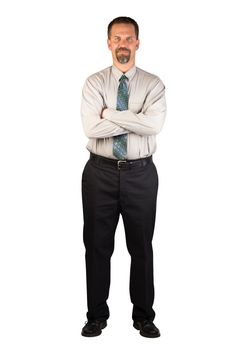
(119, 162)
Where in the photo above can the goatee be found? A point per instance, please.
(123, 55)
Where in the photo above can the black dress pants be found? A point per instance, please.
(108, 192)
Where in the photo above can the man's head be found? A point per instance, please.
(123, 41)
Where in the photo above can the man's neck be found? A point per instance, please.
(124, 67)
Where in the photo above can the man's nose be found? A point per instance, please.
(123, 43)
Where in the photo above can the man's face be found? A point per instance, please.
(123, 43)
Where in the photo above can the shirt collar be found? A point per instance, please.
(129, 74)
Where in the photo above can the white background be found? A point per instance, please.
(48, 48)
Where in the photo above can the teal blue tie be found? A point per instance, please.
(120, 141)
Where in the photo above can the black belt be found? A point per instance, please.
(120, 164)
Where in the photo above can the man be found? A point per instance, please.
(123, 109)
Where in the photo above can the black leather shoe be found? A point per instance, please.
(147, 329)
(93, 328)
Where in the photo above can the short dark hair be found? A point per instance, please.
(126, 20)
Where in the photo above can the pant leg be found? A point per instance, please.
(138, 206)
(101, 214)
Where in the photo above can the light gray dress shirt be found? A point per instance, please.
(142, 121)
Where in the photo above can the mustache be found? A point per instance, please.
(122, 49)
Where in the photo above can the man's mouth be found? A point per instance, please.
(123, 50)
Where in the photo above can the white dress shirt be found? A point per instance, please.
(142, 121)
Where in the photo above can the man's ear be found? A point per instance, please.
(138, 43)
(109, 44)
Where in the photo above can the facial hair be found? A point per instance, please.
(123, 55)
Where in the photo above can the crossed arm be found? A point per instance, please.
(101, 122)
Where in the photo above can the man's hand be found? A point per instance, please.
(101, 115)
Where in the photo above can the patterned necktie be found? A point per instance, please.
(120, 141)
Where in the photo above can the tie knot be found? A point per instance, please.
(123, 78)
